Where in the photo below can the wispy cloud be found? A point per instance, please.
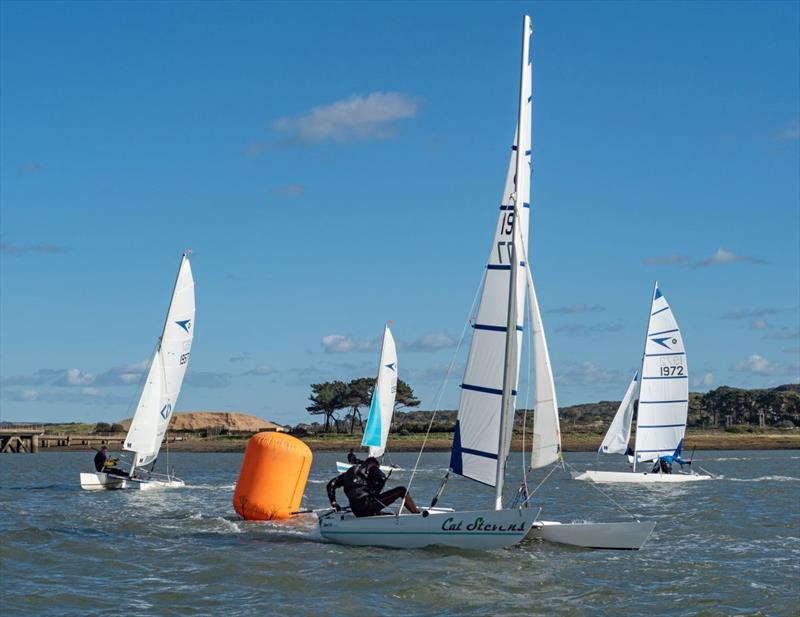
(207, 379)
(756, 364)
(783, 333)
(703, 380)
(577, 308)
(789, 132)
(433, 341)
(436, 373)
(358, 118)
(81, 396)
(41, 248)
(242, 357)
(253, 150)
(120, 375)
(749, 313)
(718, 257)
(291, 189)
(724, 256)
(30, 168)
(587, 373)
(675, 259)
(573, 329)
(260, 371)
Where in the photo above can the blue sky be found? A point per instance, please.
(336, 165)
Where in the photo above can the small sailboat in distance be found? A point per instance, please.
(663, 407)
(158, 398)
(381, 408)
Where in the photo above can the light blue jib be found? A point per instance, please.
(185, 324)
(372, 434)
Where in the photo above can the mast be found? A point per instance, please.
(641, 370)
(509, 367)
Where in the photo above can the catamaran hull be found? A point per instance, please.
(629, 536)
(479, 529)
(107, 482)
(610, 477)
(342, 467)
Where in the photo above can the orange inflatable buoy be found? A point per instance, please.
(273, 477)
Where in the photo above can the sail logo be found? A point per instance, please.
(166, 410)
(186, 324)
(392, 366)
(660, 341)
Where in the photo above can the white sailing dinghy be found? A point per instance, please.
(159, 395)
(381, 408)
(663, 405)
(486, 408)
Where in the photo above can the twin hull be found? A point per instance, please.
(630, 477)
(477, 529)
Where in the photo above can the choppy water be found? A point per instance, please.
(727, 547)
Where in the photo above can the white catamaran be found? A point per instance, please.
(486, 409)
(663, 407)
(158, 397)
(381, 408)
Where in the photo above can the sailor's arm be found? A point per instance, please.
(331, 488)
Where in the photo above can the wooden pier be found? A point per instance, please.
(23, 438)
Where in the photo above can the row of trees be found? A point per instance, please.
(331, 397)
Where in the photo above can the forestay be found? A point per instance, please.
(165, 375)
(619, 433)
(664, 391)
(383, 396)
(476, 441)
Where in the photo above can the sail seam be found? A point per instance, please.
(663, 332)
(485, 390)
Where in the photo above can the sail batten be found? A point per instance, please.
(165, 374)
(664, 388)
(381, 407)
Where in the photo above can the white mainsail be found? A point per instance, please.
(381, 408)
(619, 433)
(476, 444)
(165, 375)
(664, 390)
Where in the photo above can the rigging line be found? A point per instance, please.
(606, 495)
(538, 486)
(440, 394)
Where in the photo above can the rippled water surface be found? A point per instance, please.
(726, 547)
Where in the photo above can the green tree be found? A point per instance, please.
(327, 398)
(359, 394)
(405, 396)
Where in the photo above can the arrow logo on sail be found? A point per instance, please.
(392, 366)
(166, 410)
(185, 324)
(660, 341)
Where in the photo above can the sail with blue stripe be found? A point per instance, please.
(381, 408)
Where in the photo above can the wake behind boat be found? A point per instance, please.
(158, 397)
(663, 408)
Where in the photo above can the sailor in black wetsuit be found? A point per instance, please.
(363, 484)
(106, 465)
(352, 458)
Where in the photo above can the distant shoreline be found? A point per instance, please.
(579, 442)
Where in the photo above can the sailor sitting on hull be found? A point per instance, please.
(104, 464)
(363, 484)
(664, 463)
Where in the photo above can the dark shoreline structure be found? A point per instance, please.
(723, 419)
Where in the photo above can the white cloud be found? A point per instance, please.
(358, 118)
(41, 248)
(338, 343)
(759, 324)
(748, 313)
(756, 364)
(75, 377)
(724, 256)
(28, 395)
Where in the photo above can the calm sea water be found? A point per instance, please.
(727, 547)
